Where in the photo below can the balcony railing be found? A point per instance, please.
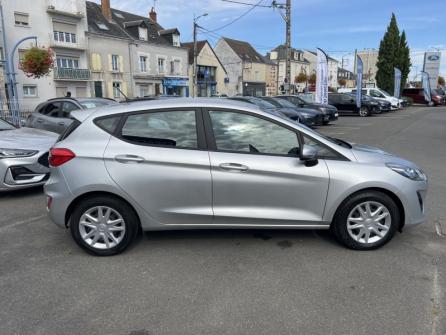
(71, 74)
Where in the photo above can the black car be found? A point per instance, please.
(384, 106)
(268, 107)
(346, 104)
(330, 112)
(374, 105)
(308, 117)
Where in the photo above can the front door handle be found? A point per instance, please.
(129, 159)
(39, 120)
(61, 123)
(233, 167)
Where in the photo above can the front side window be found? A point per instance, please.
(322, 150)
(243, 133)
(376, 94)
(52, 109)
(176, 129)
(68, 107)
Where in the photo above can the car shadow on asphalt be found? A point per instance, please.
(27, 192)
(282, 237)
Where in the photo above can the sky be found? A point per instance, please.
(337, 26)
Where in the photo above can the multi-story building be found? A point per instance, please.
(299, 64)
(347, 76)
(271, 77)
(211, 74)
(58, 24)
(133, 55)
(245, 67)
(369, 59)
(333, 65)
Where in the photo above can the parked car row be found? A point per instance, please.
(417, 95)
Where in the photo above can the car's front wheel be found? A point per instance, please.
(366, 220)
(364, 111)
(104, 226)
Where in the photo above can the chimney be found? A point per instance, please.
(152, 15)
(105, 4)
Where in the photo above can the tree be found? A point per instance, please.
(441, 81)
(342, 82)
(388, 56)
(312, 79)
(404, 63)
(301, 78)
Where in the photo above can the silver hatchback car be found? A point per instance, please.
(211, 163)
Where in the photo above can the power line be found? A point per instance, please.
(248, 4)
(238, 18)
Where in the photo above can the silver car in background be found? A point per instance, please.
(211, 163)
(54, 114)
(23, 156)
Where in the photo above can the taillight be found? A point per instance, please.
(59, 156)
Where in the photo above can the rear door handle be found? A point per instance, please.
(233, 167)
(61, 123)
(40, 120)
(129, 159)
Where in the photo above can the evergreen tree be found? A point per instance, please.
(388, 56)
(404, 63)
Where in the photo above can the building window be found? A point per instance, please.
(67, 63)
(21, 19)
(142, 33)
(60, 36)
(30, 91)
(116, 89)
(143, 63)
(176, 40)
(177, 66)
(115, 62)
(161, 62)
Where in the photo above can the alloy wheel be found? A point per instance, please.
(102, 227)
(363, 111)
(369, 222)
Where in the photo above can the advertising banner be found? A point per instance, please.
(397, 84)
(321, 77)
(359, 69)
(432, 66)
(426, 86)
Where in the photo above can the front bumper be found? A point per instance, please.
(413, 197)
(23, 172)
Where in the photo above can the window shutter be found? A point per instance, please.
(121, 64)
(124, 88)
(110, 65)
(110, 90)
(65, 27)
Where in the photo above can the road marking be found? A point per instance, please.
(18, 223)
(436, 298)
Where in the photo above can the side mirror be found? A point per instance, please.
(308, 154)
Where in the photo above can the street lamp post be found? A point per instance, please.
(194, 70)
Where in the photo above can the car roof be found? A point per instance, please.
(134, 106)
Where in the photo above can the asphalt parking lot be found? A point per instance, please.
(234, 281)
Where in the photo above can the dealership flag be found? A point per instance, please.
(359, 70)
(426, 86)
(321, 77)
(397, 84)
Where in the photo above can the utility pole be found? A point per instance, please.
(194, 70)
(287, 18)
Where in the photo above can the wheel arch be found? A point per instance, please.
(94, 194)
(387, 192)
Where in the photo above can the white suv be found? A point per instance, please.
(376, 93)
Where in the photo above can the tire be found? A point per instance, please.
(364, 111)
(349, 210)
(113, 235)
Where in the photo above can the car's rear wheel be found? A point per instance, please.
(103, 226)
(366, 221)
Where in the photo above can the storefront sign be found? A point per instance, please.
(432, 66)
(170, 82)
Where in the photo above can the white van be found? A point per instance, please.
(376, 93)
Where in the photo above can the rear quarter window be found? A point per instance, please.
(69, 130)
(108, 124)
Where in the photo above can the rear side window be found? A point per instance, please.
(108, 124)
(176, 129)
(69, 130)
(52, 109)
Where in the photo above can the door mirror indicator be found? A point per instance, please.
(308, 154)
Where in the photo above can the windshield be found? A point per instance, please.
(306, 98)
(261, 103)
(285, 103)
(385, 93)
(4, 125)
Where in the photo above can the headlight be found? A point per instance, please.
(408, 172)
(306, 115)
(14, 153)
